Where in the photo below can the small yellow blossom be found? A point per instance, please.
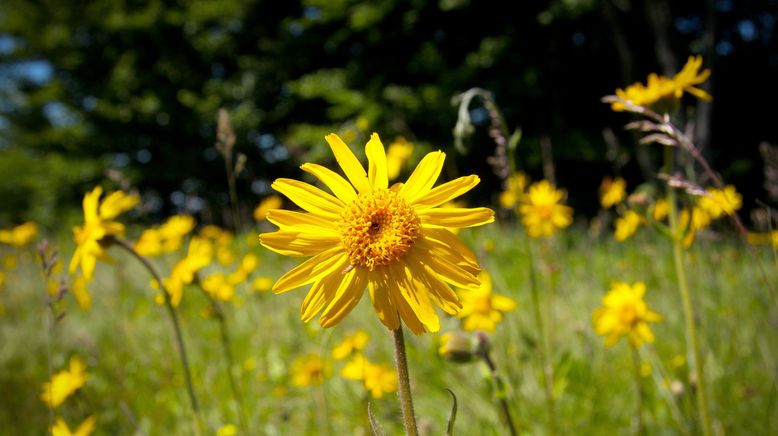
(542, 213)
(262, 284)
(268, 203)
(20, 235)
(352, 343)
(764, 238)
(227, 430)
(627, 225)
(514, 189)
(481, 308)
(377, 379)
(97, 226)
(612, 192)
(309, 370)
(64, 383)
(225, 255)
(624, 313)
(84, 429)
(720, 202)
(692, 222)
(198, 257)
(219, 287)
(165, 238)
(81, 293)
(397, 155)
(660, 210)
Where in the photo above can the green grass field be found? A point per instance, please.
(136, 385)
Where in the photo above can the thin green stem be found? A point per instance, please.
(548, 374)
(641, 430)
(506, 411)
(404, 383)
(697, 363)
(176, 328)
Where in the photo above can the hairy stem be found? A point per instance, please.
(506, 411)
(404, 385)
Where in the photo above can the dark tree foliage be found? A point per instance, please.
(135, 87)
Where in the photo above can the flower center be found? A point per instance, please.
(378, 228)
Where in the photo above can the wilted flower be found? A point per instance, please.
(481, 308)
(542, 211)
(612, 192)
(624, 313)
(64, 383)
(394, 241)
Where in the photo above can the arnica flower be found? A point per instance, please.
(377, 379)
(612, 192)
(397, 155)
(198, 256)
(660, 209)
(627, 225)
(663, 93)
(542, 211)
(262, 284)
(394, 241)
(97, 226)
(84, 429)
(720, 202)
(351, 344)
(20, 235)
(227, 430)
(692, 222)
(481, 308)
(624, 313)
(309, 370)
(267, 203)
(165, 238)
(514, 189)
(64, 383)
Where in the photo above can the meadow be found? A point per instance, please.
(135, 383)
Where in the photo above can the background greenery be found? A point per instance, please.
(129, 90)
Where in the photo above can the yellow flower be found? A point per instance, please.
(756, 239)
(663, 93)
(97, 226)
(227, 430)
(352, 343)
(542, 213)
(309, 370)
(514, 190)
(397, 155)
(64, 383)
(249, 263)
(262, 284)
(624, 313)
(271, 202)
(720, 202)
(20, 235)
(165, 238)
(81, 293)
(377, 379)
(627, 225)
(612, 192)
(481, 308)
(84, 429)
(661, 209)
(219, 287)
(394, 241)
(198, 256)
(693, 222)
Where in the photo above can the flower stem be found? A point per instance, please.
(688, 309)
(547, 370)
(639, 387)
(176, 328)
(404, 383)
(512, 427)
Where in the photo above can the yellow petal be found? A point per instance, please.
(337, 184)
(346, 297)
(349, 163)
(456, 217)
(414, 293)
(298, 243)
(310, 198)
(408, 316)
(376, 158)
(379, 296)
(451, 273)
(439, 291)
(319, 296)
(447, 192)
(424, 176)
(313, 269)
(301, 221)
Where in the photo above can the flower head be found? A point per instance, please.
(481, 308)
(542, 211)
(627, 225)
(624, 313)
(165, 238)
(198, 256)
(393, 241)
(351, 344)
(397, 155)
(64, 383)
(514, 189)
(84, 429)
(612, 192)
(20, 235)
(97, 226)
(309, 370)
(720, 202)
(267, 203)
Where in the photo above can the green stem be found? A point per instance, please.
(547, 370)
(639, 387)
(686, 301)
(404, 383)
(176, 328)
(506, 411)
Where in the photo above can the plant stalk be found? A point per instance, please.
(404, 383)
(641, 430)
(506, 411)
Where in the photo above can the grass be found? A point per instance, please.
(136, 384)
